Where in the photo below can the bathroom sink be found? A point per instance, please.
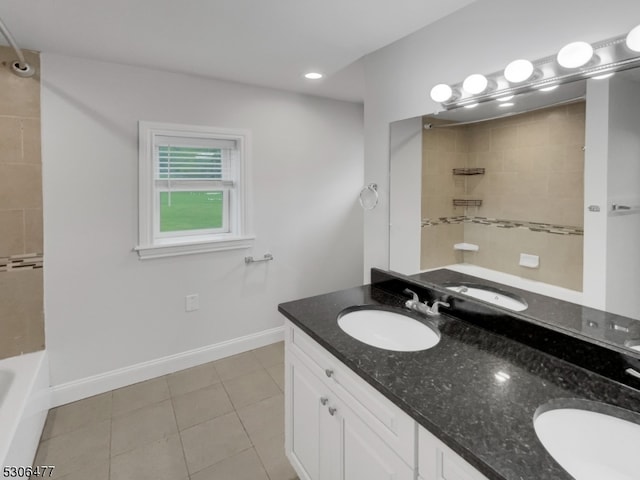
(591, 445)
(492, 295)
(386, 329)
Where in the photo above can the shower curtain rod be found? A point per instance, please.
(19, 67)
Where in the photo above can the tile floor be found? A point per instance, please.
(220, 421)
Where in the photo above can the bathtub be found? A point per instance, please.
(24, 402)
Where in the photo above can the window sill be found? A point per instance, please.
(173, 248)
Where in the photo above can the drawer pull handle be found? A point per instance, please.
(328, 372)
(324, 400)
(332, 411)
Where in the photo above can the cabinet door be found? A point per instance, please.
(436, 461)
(304, 412)
(365, 456)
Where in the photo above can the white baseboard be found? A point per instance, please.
(87, 387)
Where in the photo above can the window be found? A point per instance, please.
(193, 189)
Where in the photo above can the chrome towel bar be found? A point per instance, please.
(267, 257)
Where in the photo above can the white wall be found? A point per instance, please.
(623, 187)
(594, 278)
(405, 179)
(483, 38)
(107, 310)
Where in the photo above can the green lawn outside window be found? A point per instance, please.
(190, 210)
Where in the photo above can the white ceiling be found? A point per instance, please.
(264, 42)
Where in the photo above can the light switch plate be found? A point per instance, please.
(191, 303)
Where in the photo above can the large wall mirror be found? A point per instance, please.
(540, 189)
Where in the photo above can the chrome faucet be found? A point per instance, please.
(422, 307)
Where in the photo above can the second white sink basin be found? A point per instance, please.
(388, 330)
(495, 297)
(590, 445)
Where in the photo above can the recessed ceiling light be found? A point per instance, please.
(518, 71)
(548, 89)
(475, 84)
(471, 105)
(441, 93)
(575, 54)
(633, 39)
(313, 75)
(506, 104)
(505, 99)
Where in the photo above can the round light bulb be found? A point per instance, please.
(518, 71)
(313, 76)
(441, 93)
(575, 54)
(475, 84)
(633, 39)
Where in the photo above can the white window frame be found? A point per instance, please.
(153, 243)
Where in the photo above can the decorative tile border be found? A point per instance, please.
(500, 223)
(27, 261)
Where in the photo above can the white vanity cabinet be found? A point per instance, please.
(436, 461)
(337, 426)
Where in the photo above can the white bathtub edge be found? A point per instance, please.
(104, 382)
(20, 441)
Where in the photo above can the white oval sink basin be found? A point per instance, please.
(491, 296)
(388, 330)
(591, 445)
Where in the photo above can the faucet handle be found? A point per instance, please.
(436, 305)
(406, 291)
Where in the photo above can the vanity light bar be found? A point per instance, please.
(575, 61)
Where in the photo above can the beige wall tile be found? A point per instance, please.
(21, 295)
(21, 312)
(434, 207)
(20, 186)
(33, 241)
(31, 143)
(10, 140)
(437, 245)
(566, 185)
(440, 184)
(19, 96)
(12, 238)
(534, 172)
(492, 205)
(534, 134)
(504, 137)
(479, 140)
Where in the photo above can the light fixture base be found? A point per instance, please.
(24, 70)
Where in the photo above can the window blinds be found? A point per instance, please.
(193, 159)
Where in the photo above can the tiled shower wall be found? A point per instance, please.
(532, 194)
(21, 289)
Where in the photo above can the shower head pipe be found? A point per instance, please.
(19, 67)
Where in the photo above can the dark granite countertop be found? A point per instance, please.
(602, 328)
(452, 389)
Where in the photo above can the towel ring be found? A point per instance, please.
(369, 196)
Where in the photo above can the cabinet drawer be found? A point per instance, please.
(387, 420)
(436, 461)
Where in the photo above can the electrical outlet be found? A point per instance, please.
(191, 303)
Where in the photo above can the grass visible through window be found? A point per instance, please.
(190, 211)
